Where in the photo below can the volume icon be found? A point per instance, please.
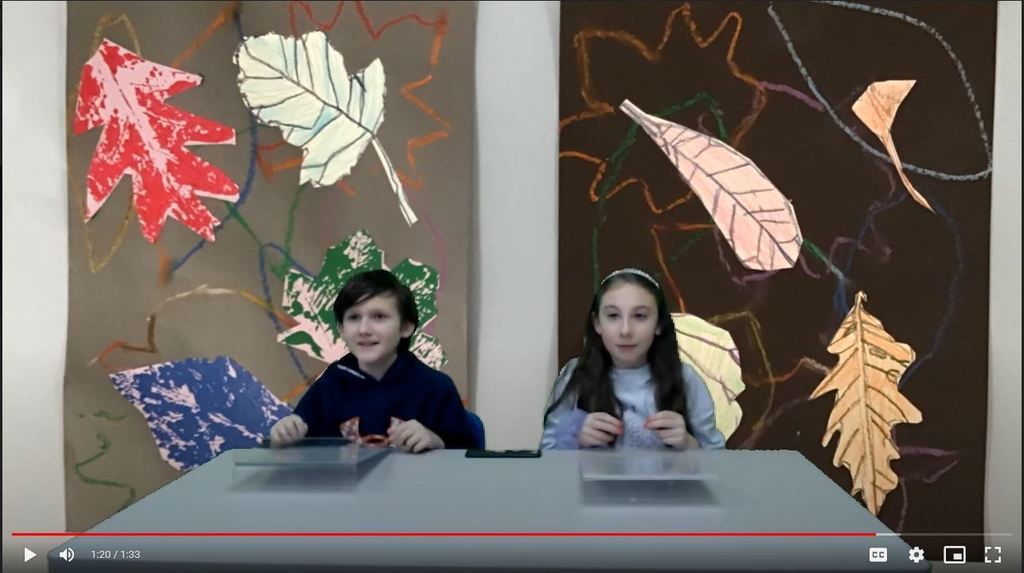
(67, 555)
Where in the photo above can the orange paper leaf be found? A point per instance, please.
(868, 402)
(877, 107)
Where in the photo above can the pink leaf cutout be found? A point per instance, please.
(756, 219)
(146, 137)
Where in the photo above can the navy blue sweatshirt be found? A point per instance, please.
(409, 390)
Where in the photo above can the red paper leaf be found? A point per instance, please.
(146, 137)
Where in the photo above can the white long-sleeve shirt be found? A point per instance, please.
(634, 389)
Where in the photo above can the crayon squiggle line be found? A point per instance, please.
(851, 133)
(104, 448)
(615, 162)
(265, 286)
(151, 322)
(597, 107)
(952, 292)
(105, 22)
(249, 176)
(840, 300)
(893, 198)
(281, 270)
(439, 247)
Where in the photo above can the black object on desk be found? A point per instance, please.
(476, 453)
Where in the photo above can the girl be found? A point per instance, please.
(629, 387)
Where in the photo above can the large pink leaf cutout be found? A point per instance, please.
(756, 219)
(146, 137)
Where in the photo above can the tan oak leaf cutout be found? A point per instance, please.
(868, 402)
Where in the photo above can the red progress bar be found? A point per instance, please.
(443, 534)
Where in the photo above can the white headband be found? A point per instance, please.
(632, 271)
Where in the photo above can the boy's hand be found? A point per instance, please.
(599, 429)
(412, 436)
(288, 430)
(671, 429)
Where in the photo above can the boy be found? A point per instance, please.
(379, 381)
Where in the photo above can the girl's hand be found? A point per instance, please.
(412, 436)
(671, 429)
(599, 429)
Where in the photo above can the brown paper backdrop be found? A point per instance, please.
(926, 275)
(111, 458)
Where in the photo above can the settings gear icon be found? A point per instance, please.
(917, 555)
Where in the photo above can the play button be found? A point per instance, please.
(28, 554)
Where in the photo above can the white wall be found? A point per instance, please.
(35, 271)
(517, 219)
(513, 299)
(1004, 423)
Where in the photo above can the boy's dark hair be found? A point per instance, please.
(591, 383)
(373, 283)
